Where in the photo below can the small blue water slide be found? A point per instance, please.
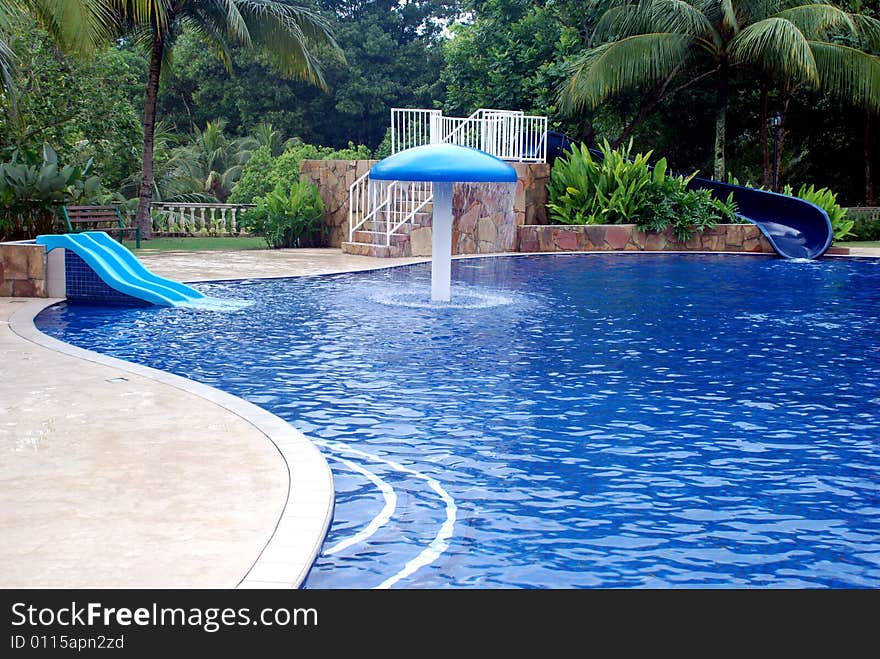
(120, 269)
(795, 228)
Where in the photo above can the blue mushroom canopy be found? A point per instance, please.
(443, 162)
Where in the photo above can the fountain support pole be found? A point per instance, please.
(441, 243)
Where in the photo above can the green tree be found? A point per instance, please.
(263, 172)
(509, 54)
(668, 45)
(285, 32)
(210, 164)
(85, 109)
(394, 59)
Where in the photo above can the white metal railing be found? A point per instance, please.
(506, 134)
(213, 219)
(415, 127)
(382, 207)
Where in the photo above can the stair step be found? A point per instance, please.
(379, 251)
(378, 238)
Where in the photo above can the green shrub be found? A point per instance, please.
(33, 187)
(263, 172)
(620, 188)
(587, 190)
(827, 200)
(288, 216)
(672, 204)
(865, 226)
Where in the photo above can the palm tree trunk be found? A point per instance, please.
(145, 198)
(721, 123)
(649, 104)
(765, 136)
(869, 158)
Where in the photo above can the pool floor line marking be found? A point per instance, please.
(440, 543)
(379, 520)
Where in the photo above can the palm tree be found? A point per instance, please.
(211, 164)
(264, 134)
(78, 26)
(288, 33)
(657, 44)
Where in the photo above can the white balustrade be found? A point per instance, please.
(196, 219)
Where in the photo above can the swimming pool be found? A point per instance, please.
(568, 421)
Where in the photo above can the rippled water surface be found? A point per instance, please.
(567, 421)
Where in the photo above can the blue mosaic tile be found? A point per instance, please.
(85, 286)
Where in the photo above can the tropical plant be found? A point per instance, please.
(210, 164)
(826, 200)
(866, 226)
(672, 204)
(288, 216)
(288, 33)
(665, 46)
(264, 134)
(32, 187)
(263, 172)
(617, 187)
(607, 189)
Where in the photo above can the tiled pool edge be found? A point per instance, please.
(287, 557)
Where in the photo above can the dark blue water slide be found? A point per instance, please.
(795, 228)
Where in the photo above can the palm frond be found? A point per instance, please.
(631, 63)
(848, 74)
(729, 17)
(779, 48)
(210, 34)
(816, 20)
(622, 20)
(288, 34)
(78, 26)
(681, 17)
(236, 26)
(155, 13)
(868, 29)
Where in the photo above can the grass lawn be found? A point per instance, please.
(196, 244)
(860, 243)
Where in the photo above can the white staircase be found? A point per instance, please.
(383, 214)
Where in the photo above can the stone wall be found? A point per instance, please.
(483, 218)
(333, 178)
(626, 237)
(22, 270)
(530, 201)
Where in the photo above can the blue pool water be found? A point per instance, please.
(568, 421)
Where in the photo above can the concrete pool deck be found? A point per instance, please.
(104, 479)
(105, 483)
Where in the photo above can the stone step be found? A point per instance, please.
(378, 251)
(378, 238)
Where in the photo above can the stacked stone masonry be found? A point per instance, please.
(626, 237)
(22, 270)
(486, 214)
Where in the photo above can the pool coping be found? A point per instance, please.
(288, 555)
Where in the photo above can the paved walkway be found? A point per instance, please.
(200, 266)
(104, 476)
